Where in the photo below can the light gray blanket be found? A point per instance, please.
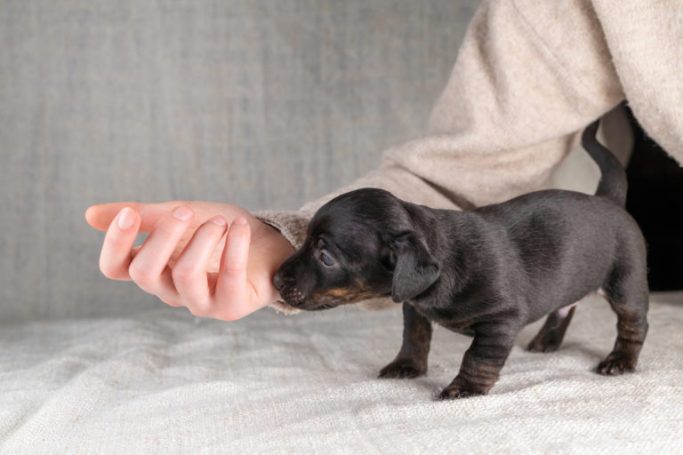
(162, 382)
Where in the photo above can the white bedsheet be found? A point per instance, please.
(163, 382)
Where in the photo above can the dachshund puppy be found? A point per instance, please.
(485, 273)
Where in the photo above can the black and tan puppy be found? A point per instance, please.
(486, 273)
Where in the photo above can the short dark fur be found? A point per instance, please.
(486, 272)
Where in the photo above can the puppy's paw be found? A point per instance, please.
(402, 369)
(616, 363)
(452, 393)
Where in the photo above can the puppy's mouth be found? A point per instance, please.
(292, 296)
(324, 300)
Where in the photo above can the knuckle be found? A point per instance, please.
(199, 310)
(110, 271)
(183, 274)
(169, 301)
(140, 276)
(206, 307)
(105, 269)
(230, 316)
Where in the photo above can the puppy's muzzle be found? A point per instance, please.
(288, 290)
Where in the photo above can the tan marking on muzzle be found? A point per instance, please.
(339, 292)
(344, 295)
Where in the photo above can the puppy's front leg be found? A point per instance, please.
(411, 361)
(482, 362)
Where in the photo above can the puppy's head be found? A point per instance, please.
(360, 245)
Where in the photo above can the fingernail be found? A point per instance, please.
(240, 221)
(182, 213)
(125, 219)
(218, 220)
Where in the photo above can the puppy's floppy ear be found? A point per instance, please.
(415, 270)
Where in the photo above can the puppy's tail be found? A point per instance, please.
(613, 184)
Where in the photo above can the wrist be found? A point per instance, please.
(275, 250)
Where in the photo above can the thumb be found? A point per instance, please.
(100, 216)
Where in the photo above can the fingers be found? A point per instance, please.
(226, 295)
(232, 288)
(115, 256)
(149, 269)
(190, 271)
(100, 216)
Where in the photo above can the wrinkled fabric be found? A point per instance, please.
(164, 382)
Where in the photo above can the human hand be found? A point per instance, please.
(184, 260)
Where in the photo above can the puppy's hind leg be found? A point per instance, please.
(411, 361)
(627, 293)
(552, 333)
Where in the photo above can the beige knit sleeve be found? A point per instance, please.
(528, 76)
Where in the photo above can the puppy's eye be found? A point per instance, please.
(388, 260)
(326, 259)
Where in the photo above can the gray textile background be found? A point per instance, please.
(262, 103)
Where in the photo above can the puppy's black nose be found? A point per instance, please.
(277, 281)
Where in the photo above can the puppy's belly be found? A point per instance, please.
(462, 327)
(458, 323)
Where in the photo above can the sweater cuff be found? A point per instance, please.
(292, 225)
